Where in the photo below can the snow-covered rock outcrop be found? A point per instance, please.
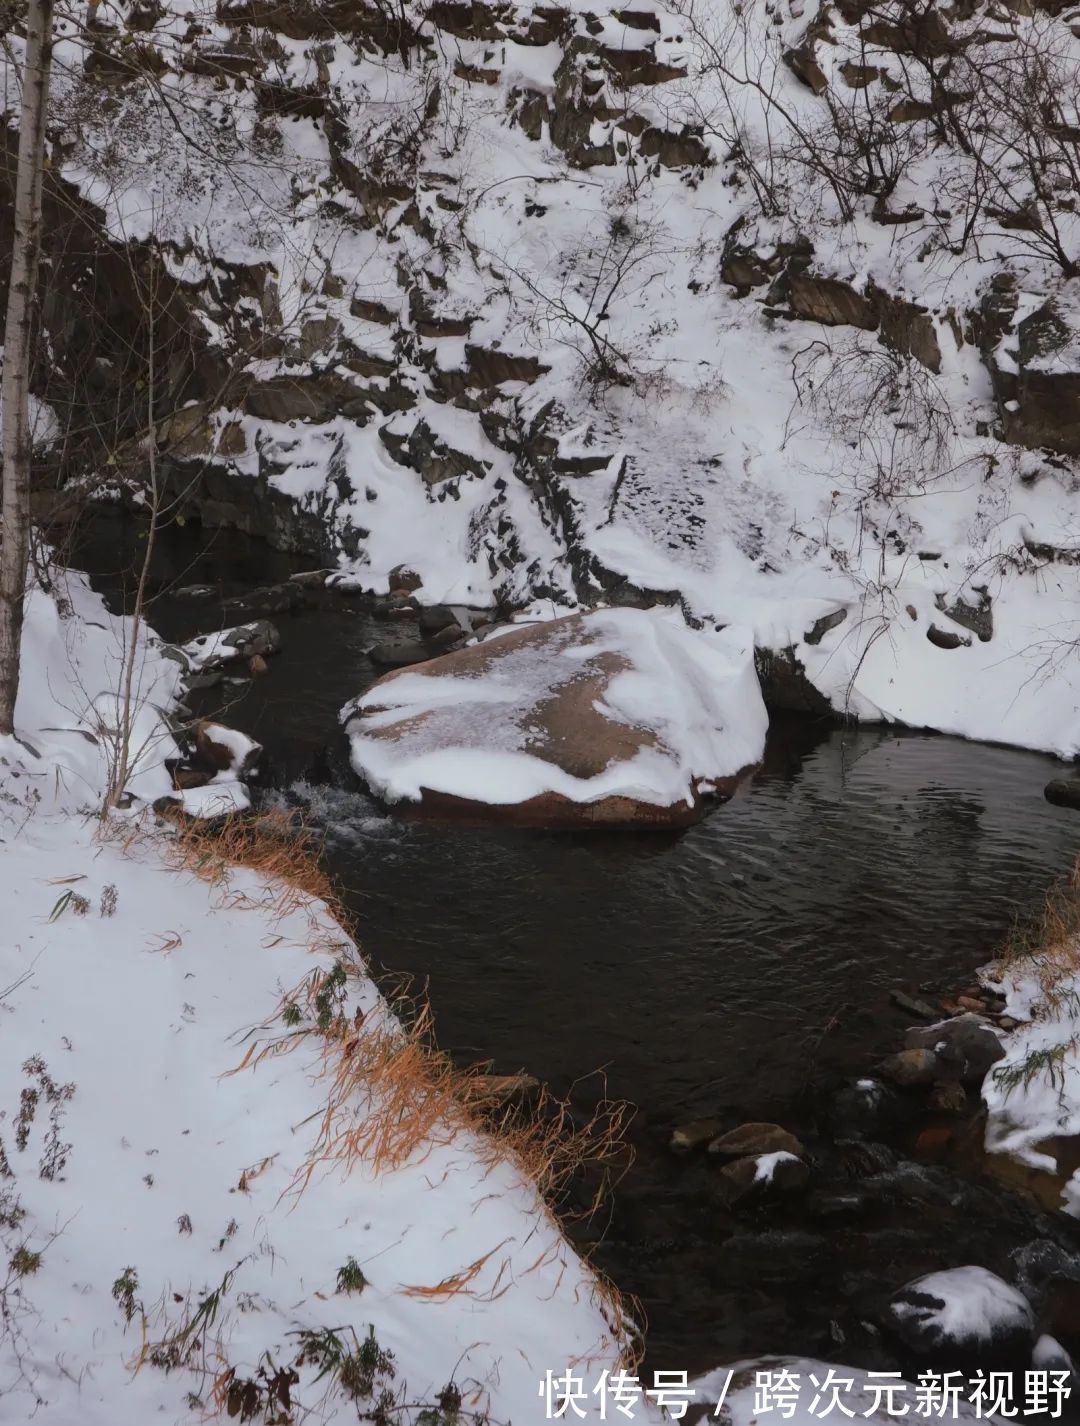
(614, 718)
(711, 306)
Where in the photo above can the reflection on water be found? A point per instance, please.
(707, 966)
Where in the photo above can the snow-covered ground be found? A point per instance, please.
(176, 1215)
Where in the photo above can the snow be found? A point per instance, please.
(177, 1112)
(220, 797)
(694, 695)
(1032, 1096)
(766, 1164)
(68, 710)
(972, 1304)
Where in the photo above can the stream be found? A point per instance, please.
(740, 970)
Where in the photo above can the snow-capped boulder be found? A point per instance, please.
(962, 1319)
(221, 749)
(763, 1174)
(621, 717)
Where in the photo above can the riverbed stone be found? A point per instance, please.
(400, 653)
(256, 603)
(395, 605)
(965, 1047)
(437, 617)
(763, 1174)
(448, 637)
(911, 1068)
(260, 637)
(1063, 791)
(948, 1097)
(311, 578)
(693, 1134)
(755, 1138)
(402, 577)
(864, 1108)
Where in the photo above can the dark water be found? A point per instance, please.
(738, 969)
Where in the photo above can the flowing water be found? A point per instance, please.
(740, 969)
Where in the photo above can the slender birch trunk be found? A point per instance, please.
(15, 388)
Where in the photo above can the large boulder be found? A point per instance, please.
(618, 717)
(962, 1319)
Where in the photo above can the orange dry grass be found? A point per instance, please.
(1049, 941)
(393, 1095)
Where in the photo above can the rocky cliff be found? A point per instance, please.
(764, 310)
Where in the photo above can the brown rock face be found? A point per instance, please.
(831, 302)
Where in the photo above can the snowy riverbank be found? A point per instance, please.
(1033, 1093)
(163, 1240)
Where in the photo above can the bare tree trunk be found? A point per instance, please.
(15, 389)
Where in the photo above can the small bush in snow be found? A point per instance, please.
(124, 1289)
(11, 1210)
(360, 1370)
(24, 1261)
(447, 1410)
(330, 997)
(350, 1277)
(54, 1154)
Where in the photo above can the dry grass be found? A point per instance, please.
(1049, 944)
(392, 1094)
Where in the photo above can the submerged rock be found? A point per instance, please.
(273, 599)
(755, 1139)
(1063, 791)
(912, 1067)
(615, 718)
(436, 618)
(399, 653)
(685, 1137)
